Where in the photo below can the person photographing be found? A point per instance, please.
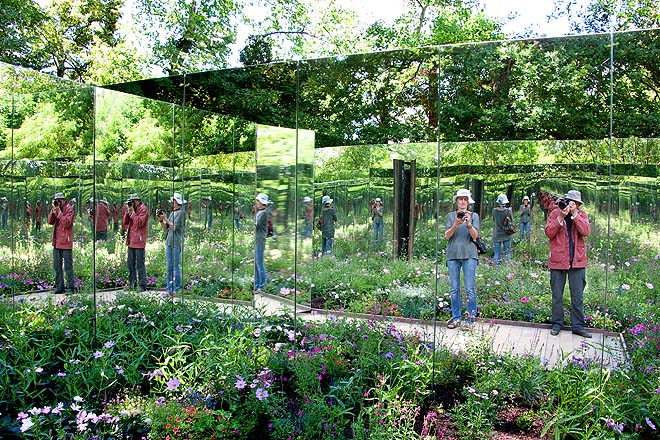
(61, 217)
(137, 220)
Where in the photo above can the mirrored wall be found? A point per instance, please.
(386, 138)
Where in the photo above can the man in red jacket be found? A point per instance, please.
(566, 228)
(101, 218)
(61, 216)
(137, 220)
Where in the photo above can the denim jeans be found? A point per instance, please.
(308, 229)
(469, 266)
(498, 247)
(524, 230)
(63, 264)
(326, 245)
(378, 232)
(259, 268)
(173, 268)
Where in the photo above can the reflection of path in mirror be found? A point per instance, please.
(518, 338)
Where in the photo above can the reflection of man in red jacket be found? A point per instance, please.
(61, 216)
(137, 220)
(101, 219)
(566, 228)
(38, 215)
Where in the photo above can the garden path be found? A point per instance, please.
(519, 338)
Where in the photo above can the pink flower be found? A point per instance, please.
(525, 299)
(240, 382)
(625, 286)
(649, 285)
(386, 271)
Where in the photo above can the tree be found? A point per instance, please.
(65, 41)
(18, 19)
(188, 35)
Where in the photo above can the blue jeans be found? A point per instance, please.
(497, 246)
(524, 230)
(173, 268)
(259, 268)
(469, 266)
(308, 229)
(326, 245)
(378, 232)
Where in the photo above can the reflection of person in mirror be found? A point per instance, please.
(461, 228)
(377, 217)
(261, 214)
(61, 217)
(308, 216)
(207, 204)
(566, 228)
(116, 212)
(101, 219)
(137, 221)
(38, 215)
(28, 216)
(525, 214)
(327, 219)
(237, 218)
(174, 226)
(3, 211)
(501, 240)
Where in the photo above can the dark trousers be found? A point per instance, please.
(137, 273)
(577, 280)
(63, 262)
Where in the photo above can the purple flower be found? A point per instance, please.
(261, 394)
(240, 382)
(650, 423)
(525, 299)
(109, 344)
(98, 354)
(173, 384)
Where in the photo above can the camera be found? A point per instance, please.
(160, 212)
(460, 214)
(129, 203)
(56, 203)
(562, 204)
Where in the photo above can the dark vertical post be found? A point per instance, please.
(404, 208)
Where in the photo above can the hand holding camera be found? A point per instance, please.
(160, 213)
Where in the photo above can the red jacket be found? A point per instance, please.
(138, 224)
(558, 235)
(102, 214)
(63, 230)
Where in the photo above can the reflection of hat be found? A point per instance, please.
(379, 200)
(262, 198)
(525, 198)
(207, 198)
(307, 199)
(72, 201)
(574, 195)
(59, 196)
(326, 200)
(464, 193)
(134, 197)
(104, 200)
(502, 199)
(3, 198)
(179, 199)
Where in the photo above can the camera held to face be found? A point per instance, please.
(56, 203)
(562, 204)
(460, 214)
(129, 203)
(160, 212)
